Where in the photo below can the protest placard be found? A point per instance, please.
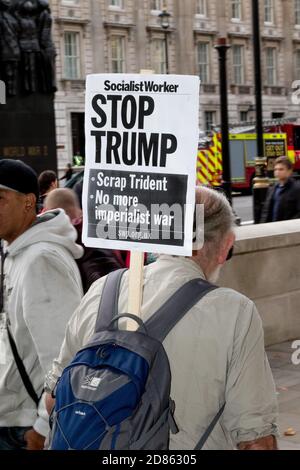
(140, 170)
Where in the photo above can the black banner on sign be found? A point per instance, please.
(274, 148)
(137, 207)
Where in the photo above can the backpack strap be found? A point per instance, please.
(22, 371)
(168, 315)
(173, 310)
(210, 429)
(108, 307)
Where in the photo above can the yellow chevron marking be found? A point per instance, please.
(206, 173)
(292, 155)
(201, 178)
(208, 164)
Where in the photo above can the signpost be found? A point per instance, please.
(274, 148)
(140, 171)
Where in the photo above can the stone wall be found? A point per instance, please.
(266, 268)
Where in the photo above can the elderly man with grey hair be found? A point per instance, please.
(216, 351)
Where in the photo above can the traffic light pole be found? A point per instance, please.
(260, 182)
(167, 52)
(257, 75)
(222, 48)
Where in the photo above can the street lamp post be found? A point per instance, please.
(165, 24)
(222, 48)
(261, 181)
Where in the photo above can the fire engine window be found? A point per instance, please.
(237, 160)
(297, 138)
(251, 150)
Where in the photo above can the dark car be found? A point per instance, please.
(76, 178)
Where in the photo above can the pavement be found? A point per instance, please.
(243, 207)
(287, 380)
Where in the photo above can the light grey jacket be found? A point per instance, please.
(43, 289)
(216, 354)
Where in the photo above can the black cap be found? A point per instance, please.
(17, 176)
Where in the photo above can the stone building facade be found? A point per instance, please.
(95, 36)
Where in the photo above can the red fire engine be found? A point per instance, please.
(280, 138)
(292, 131)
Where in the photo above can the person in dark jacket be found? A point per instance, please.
(283, 199)
(68, 173)
(95, 262)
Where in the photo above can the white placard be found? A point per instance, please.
(140, 171)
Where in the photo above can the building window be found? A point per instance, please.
(69, 2)
(243, 116)
(277, 115)
(203, 61)
(297, 64)
(209, 120)
(201, 7)
(271, 66)
(156, 5)
(158, 55)
(238, 65)
(72, 55)
(116, 3)
(269, 11)
(78, 137)
(117, 54)
(297, 12)
(236, 9)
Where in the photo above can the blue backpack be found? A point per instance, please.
(115, 394)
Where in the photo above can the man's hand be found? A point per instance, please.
(264, 443)
(34, 440)
(50, 402)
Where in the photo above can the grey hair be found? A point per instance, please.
(219, 219)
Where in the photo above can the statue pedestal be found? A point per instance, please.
(27, 130)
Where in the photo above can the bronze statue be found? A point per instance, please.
(27, 52)
(10, 53)
(29, 44)
(44, 23)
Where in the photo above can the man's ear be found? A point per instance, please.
(226, 245)
(30, 201)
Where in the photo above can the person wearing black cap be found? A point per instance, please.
(42, 288)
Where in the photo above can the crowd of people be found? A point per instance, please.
(51, 285)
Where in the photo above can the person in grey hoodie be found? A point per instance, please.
(42, 289)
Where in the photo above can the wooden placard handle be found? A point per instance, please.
(135, 290)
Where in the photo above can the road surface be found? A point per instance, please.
(243, 207)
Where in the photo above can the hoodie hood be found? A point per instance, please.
(51, 227)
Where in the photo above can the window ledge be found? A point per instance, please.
(116, 9)
(79, 21)
(240, 89)
(275, 90)
(69, 84)
(208, 87)
(110, 24)
(65, 79)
